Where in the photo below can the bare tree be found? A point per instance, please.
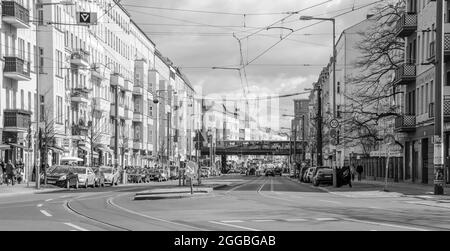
(373, 88)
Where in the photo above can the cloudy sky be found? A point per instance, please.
(198, 35)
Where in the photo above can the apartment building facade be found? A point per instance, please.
(416, 76)
(83, 72)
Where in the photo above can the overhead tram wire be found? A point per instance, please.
(304, 27)
(206, 12)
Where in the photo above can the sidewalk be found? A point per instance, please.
(423, 191)
(22, 189)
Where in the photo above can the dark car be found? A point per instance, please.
(99, 177)
(270, 172)
(323, 175)
(278, 171)
(63, 176)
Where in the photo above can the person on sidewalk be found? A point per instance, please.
(1, 176)
(359, 170)
(353, 172)
(10, 173)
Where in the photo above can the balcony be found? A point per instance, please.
(98, 71)
(17, 120)
(121, 111)
(447, 47)
(80, 130)
(17, 69)
(80, 95)
(405, 123)
(117, 80)
(138, 117)
(446, 108)
(406, 25)
(138, 90)
(15, 14)
(128, 86)
(80, 58)
(405, 74)
(101, 104)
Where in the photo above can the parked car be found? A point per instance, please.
(99, 177)
(86, 176)
(111, 175)
(309, 174)
(302, 173)
(63, 176)
(323, 176)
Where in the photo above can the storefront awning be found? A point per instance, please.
(56, 149)
(17, 145)
(84, 148)
(5, 147)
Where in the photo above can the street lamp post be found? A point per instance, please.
(334, 81)
(38, 171)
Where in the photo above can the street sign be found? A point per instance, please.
(87, 18)
(191, 169)
(334, 123)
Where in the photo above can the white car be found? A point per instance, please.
(111, 175)
(86, 176)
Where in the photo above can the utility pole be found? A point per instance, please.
(319, 126)
(295, 147)
(116, 129)
(439, 180)
(168, 142)
(303, 143)
(38, 102)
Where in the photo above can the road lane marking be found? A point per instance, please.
(231, 221)
(235, 226)
(47, 200)
(111, 202)
(243, 184)
(295, 220)
(262, 186)
(76, 227)
(330, 201)
(263, 220)
(327, 219)
(39, 205)
(385, 224)
(46, 213)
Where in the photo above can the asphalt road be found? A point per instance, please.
(249, 204)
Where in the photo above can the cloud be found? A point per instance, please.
(191, 43)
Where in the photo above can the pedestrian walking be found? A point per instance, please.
(10, 173)
(353, 172)
(359, 170)
(1, 176)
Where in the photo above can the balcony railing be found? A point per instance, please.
(80, 130)
(446, 107)
(406, 25)
(15, 14)
(405, 74)
(17, 119)
(80, 95)
(80, 57)
(447, 46)
(405, 122)
(17, 68)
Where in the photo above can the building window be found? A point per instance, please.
(59, 110)
(338, 111)
(59, 62)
